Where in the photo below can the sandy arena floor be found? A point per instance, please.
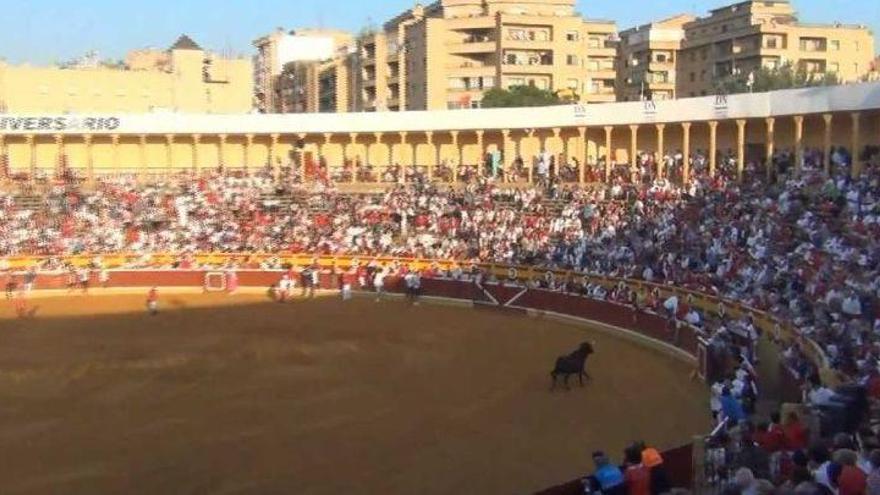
(233, 395)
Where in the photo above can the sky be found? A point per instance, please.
(45, 31)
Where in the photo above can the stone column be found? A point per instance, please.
(248, 152)
(530, 166)
(713, 147)
(274, 162)
(90, 160)
(353, 136)
(557, 140)
(7, 172)
(301, 138)
(582, 155)
(828, 119)
(686, 153)
(429, 137)
(771, 145)
(114, 140)
(608, 152)
(506, 158)
(32, 148)
(661, 152)
(59, 153)
(401, 159)
(798, 142)
(481, 153)
(221, 149)
(379, 168)
(633, 146)
(196, 139)
(142, 155)
(324, 147)
(169, 150)
(856, 144)
(458, 157)
(740, 148)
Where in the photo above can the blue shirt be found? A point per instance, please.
(732, 409)
(609, 476)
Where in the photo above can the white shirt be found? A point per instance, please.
(821, 396)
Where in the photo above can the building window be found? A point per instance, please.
(572, 36)
(834, 67)
(594, 65)
(594, 43)
(572, 60)
(835, 45)
(573, 84)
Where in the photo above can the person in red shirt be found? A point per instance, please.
(637, 476)
(796, 434)
(769, 442)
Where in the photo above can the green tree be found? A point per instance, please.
(519, 96)
(772, 79)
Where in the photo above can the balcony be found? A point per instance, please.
(470, 70)
(471, 47)
(516, 44)
(602, 52)
(602, 74)
(468, 23)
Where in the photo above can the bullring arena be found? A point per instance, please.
(237, 393)
(668, 233)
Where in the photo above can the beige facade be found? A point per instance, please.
(318, 87)
(647, 59)
(278, 50)
(184, 78)
(740, 38)
(446, 55)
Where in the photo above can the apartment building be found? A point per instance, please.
(647, 58)
(446, 55)
(280, 48)
(743, 37)
(319, 86)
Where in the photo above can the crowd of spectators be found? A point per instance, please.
(802, 245)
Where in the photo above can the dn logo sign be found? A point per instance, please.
(650, 109)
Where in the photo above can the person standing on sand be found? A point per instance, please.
(153, 301)
(20, 304)
(231, 280)
(379, 283)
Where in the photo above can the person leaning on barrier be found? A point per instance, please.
(607, 479)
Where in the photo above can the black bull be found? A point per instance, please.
(573, 364)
